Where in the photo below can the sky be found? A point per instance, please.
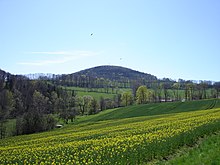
(166, 38)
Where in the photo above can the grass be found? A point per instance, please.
(206, 152)
(10, 127)
(130, 135)
(121, 141)
(97, 93)
(151, 110)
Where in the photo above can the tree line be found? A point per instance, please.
(193, 89)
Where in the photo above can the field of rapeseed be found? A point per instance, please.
(134, 140)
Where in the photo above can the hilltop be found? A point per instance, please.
(115, 73)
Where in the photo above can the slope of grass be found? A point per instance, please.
(152, 109)
(98, 93)
(10, 127)
(120, 141)
(131, 135)
(207, 152)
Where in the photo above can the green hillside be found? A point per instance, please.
(152, 109)
(206, 152)
(98, 93)
(130, 135)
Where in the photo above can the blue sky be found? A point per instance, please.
(166, 38)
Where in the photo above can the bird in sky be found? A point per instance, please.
(91, 34)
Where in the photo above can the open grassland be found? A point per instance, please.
(98, 92)
(152, 109)
(117, 139)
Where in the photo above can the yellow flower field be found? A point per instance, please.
(125, 141)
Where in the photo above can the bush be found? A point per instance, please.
(33, 122)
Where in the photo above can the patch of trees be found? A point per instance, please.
(32, 103)
(166, 91)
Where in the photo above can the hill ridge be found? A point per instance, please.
(114, 73)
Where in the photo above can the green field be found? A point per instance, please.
(152, 109)
(206, 152)
(129, 135)
(97, 93)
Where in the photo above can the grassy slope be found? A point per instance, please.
(97, 95)
(124, 140)
(10, 127)
(121, 119)
(207, 152)
(152, 109)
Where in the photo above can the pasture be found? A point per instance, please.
(98, 92)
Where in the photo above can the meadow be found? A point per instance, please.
(130, 135)
(97, 93)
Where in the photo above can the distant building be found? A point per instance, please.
(168, 100)
(59, 126)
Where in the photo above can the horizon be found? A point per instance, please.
(166, 39)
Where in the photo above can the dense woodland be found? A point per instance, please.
(39, 103)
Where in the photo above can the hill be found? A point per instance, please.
(6, 76)
(115, 73)
(152, 110)
(105, 77)
(131, 139)
(2, 72)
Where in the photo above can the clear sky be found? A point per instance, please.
(166, 38)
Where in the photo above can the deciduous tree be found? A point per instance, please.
(142, 94)
(127, 98)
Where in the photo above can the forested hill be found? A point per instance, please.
(2, 72)
(115, 73)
